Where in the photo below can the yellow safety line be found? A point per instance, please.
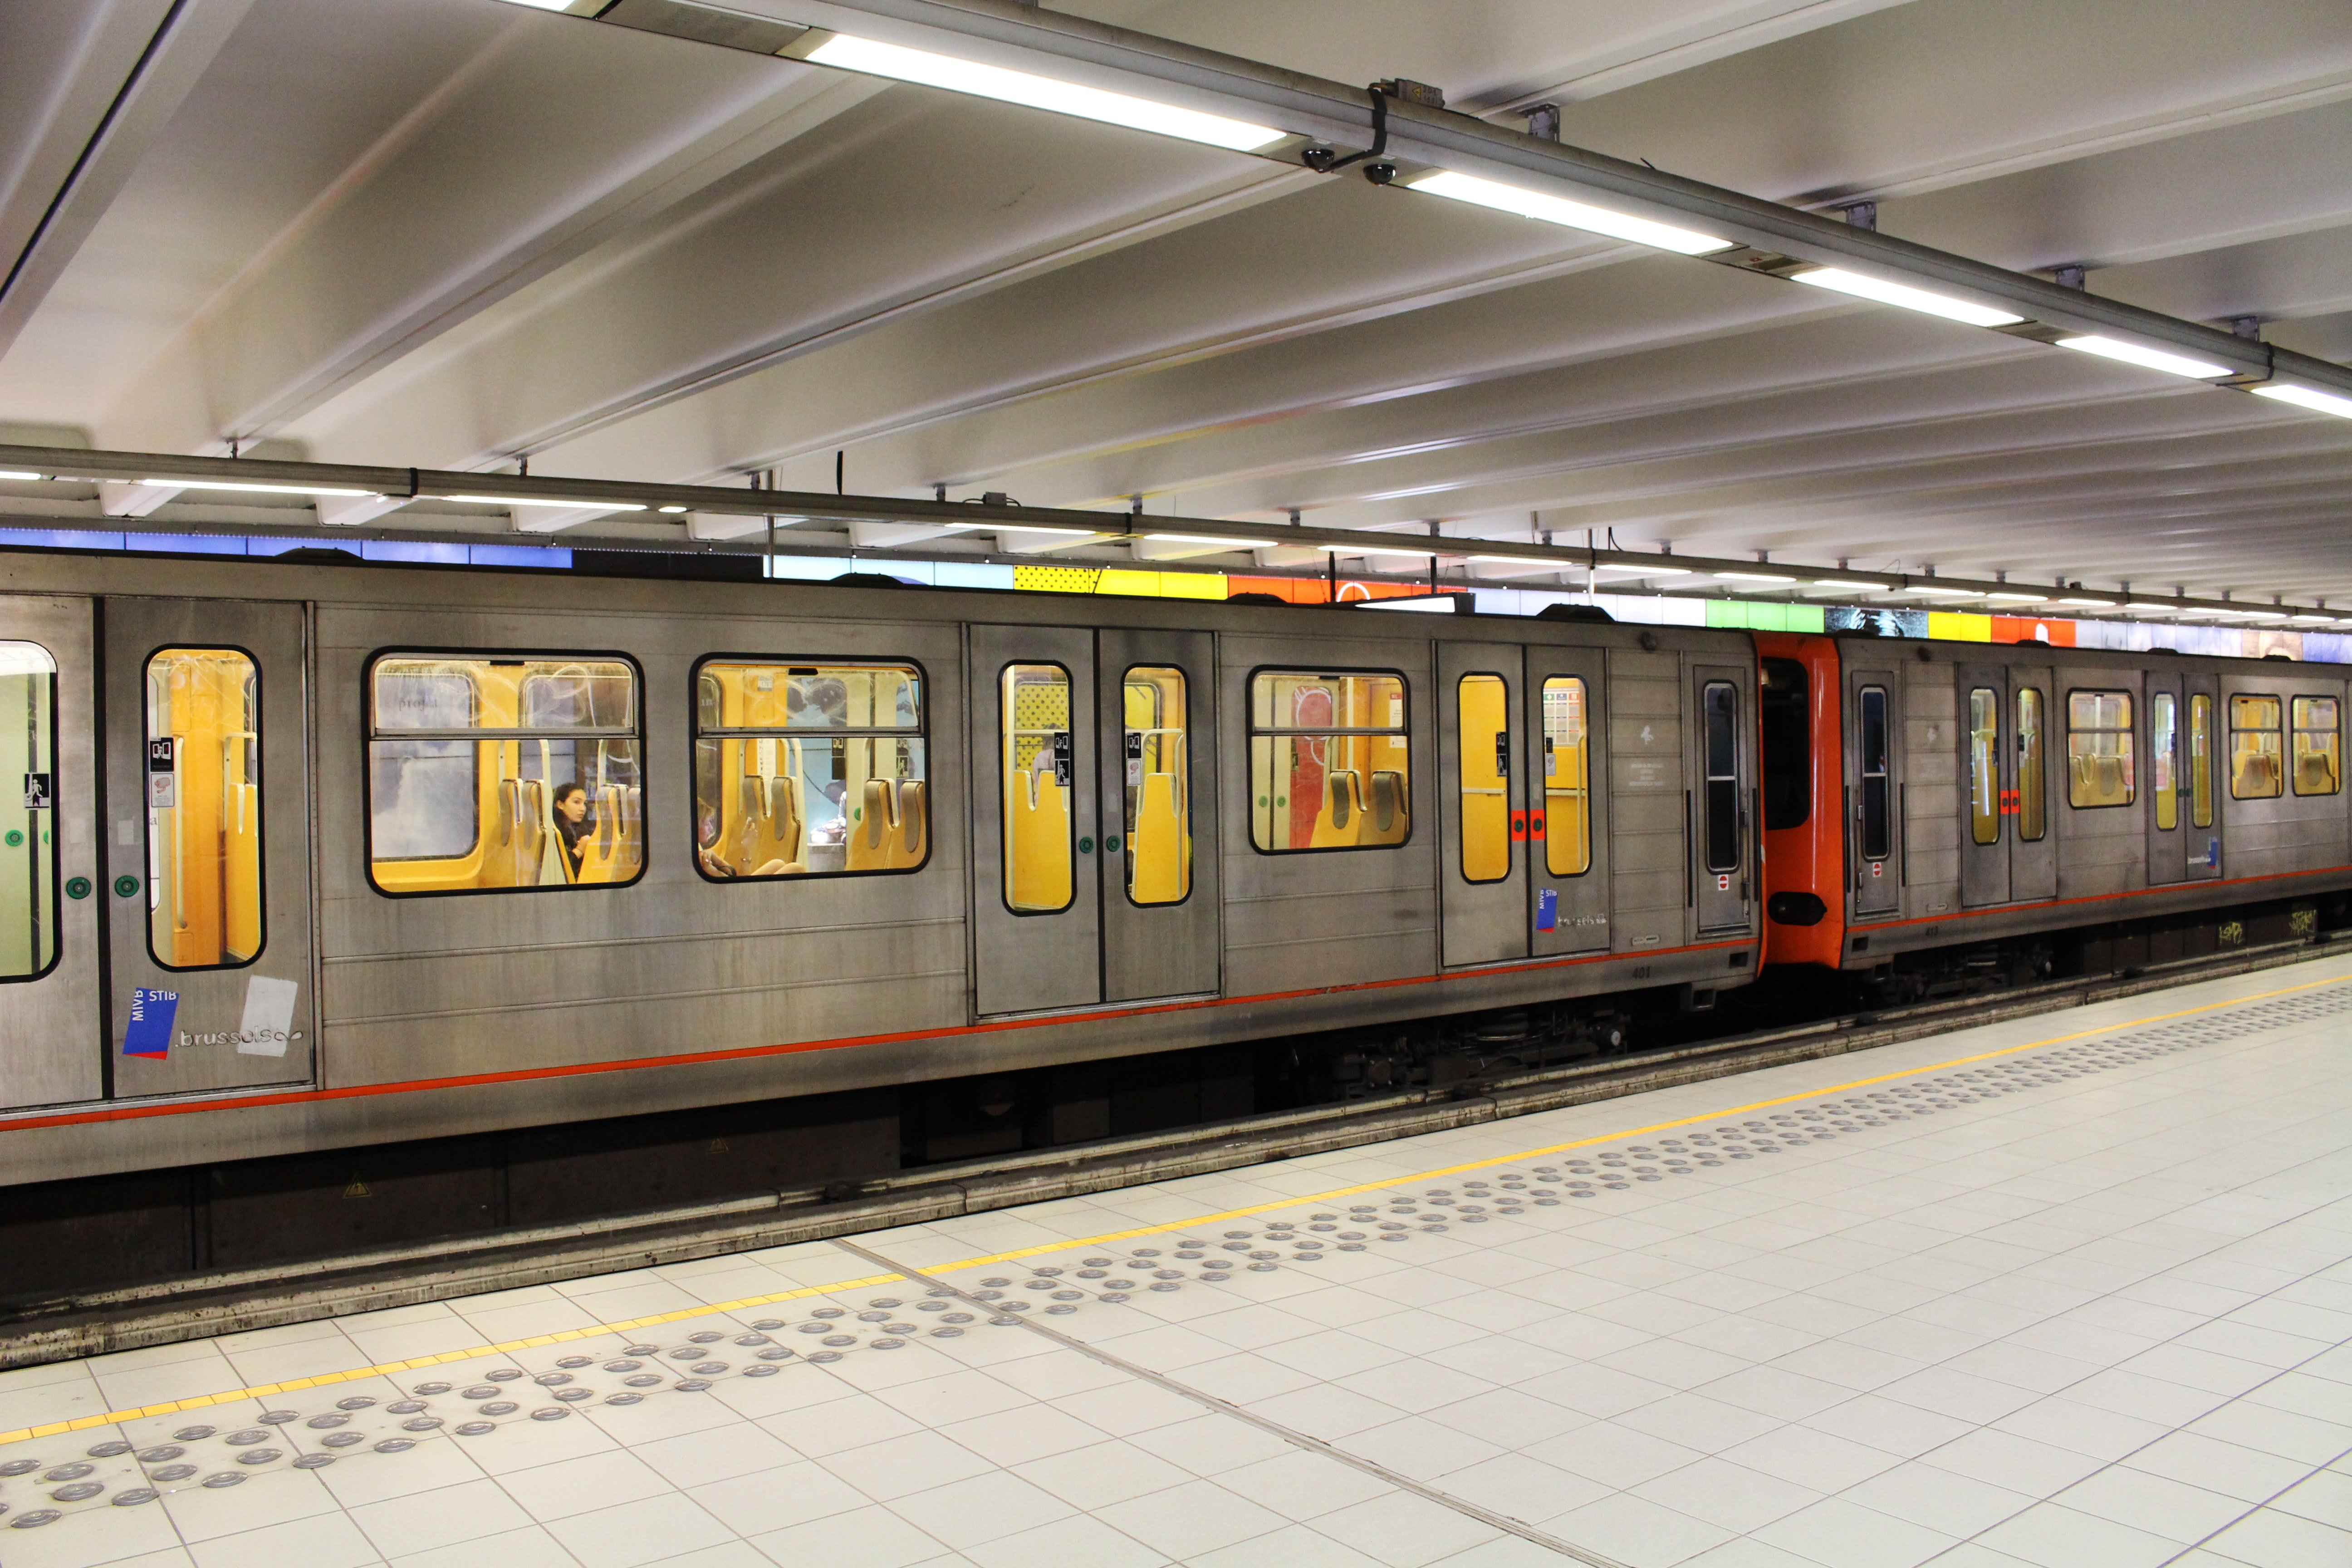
(328, 1379)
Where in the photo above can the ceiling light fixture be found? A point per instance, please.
(266, 490)
(2310, 620)
(537, 500)
(1567, 214)
(1521, 561)
(2147, 358)
(1021, 528)
(1862, 285)
(19, 474)
(2155, 608)
(864, 55)
(1943, 593)
(1854, 586)
(2091, 603)
(1646, 570)
(1753, 577)
(672, 510)
(1210, 539)
(2021, 598)
(2305, 397)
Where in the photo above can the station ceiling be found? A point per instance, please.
(451, 234)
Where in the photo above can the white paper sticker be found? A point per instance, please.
(268, 1017)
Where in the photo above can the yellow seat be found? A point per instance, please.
(907, 840)
(2312, 774)
(1340, 823)
(1158, 843)
(871, 833)
(1037, 840)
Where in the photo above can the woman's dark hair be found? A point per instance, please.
(565, 791)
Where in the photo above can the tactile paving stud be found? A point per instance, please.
(360, 1403)
(82, 1491)
(475, 1429)
(396, 1445)
(314, 1461)
(504, 1374)
(133, 1496)
(41, 1516)
(496, 1407)
(706, 1337)
(551, 1412)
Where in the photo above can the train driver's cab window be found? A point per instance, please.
(1568, 776)
(1159, 787)
(2255, 752)
(2099, 748)
(28, 850)
(2033, 791)
(1984, 765)
(1040, 770)
(1482, 707)
(808, 769)
(204, 808)
(492, 772)
(1876, 813)
(1329, 766)
(2318, 747)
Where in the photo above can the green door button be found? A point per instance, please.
(76, 887)
(126, 887)
(1110, 844)
(1087, 846)
(14, 837)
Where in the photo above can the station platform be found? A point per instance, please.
(2066, 1291)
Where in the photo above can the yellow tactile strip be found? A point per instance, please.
(631, 1325)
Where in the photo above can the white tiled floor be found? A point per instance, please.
(2086, 1309)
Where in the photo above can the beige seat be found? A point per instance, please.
(1391, 816)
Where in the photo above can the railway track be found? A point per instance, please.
(193, 1307)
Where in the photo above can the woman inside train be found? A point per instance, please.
(572, 825)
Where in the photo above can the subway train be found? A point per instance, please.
(311, 857)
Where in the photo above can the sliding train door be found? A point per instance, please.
(1567, 824)
(2007, 852)
(208, 851)
(2167, 781)
(2200, 774)
(1159, 901)
(1873, 798)
(49, 900)
(1722, 775)
(1481, 754)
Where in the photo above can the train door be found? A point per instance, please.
(49, 868)
(2034, 848)
(1567, 829)
(1482, 911)
(1036, 898)
(1159, 901)
(208, 859)
(1721, 770)
(2201, 776)
(2168, 782)
(1986, 799)
(1873, 808)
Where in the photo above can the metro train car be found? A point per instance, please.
(314, 857)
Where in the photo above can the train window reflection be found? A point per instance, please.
(1984, 765)
(497, 771)
(2255, 773)
(28, 851)
(1877, 829)
(1159, 787)
(1040, 762)
(204, 808)
(809, 769)
(2032, 780)
(2163, 749)
(1568, 778)
(2099, 748)
(2319, 760)
(1329, 760)
(1483, 731)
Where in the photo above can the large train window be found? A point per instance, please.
(1984, 765)
(2319, 759)
(808, 769)
(1159, 787)
(2032, 788)
(2163, 748)
(1785, 717)
(1568, 777)
(1329, 760)
(2099, 748)
(495, 773)
(28, 850)
(204, 808)
(2255, 769)
(1483, 729)
(1039, 769)
(2200, 761)
(1720, 720)
(1877, 822)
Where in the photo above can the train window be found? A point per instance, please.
(204, 808)
(2200, 761)
(1040, 763)
(2163, 749)
(1483, 729)
(2319, 760)
(1568, 778)
(2099, 748)
(1329, 765)
(1984, 765)
(1719, 740)
(2256, 771)
(2032, 779)
(28, 850)
(808, 769)
(1785, 716)
(1877, 822)
(492, 772)
(1159, 787)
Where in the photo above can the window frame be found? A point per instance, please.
(368, 737)
(2128, 728)
(2278, 731)
(57, 886)
(2294, 730)
(1584, 786)
(1251, 733)
(261, 878)
(1885, 775)
(1005, 773)
(1126, 835)
(695, 735)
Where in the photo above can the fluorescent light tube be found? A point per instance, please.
(1751, 577)
(2091, 603)
(541, 5)
(1517, 560)
(1841, 583)
(1024, 528)
(269, 489)
(1863, 286)
(2310, 620)
(2147, 358)
(19, 474)
(846, 53)
(2305, 397)
(1223, 543)
(1568, 214)
(1646, 571)
(2159, 609)
(2021, 598)
(544, 500)
(672, 510)
(1942, 592)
